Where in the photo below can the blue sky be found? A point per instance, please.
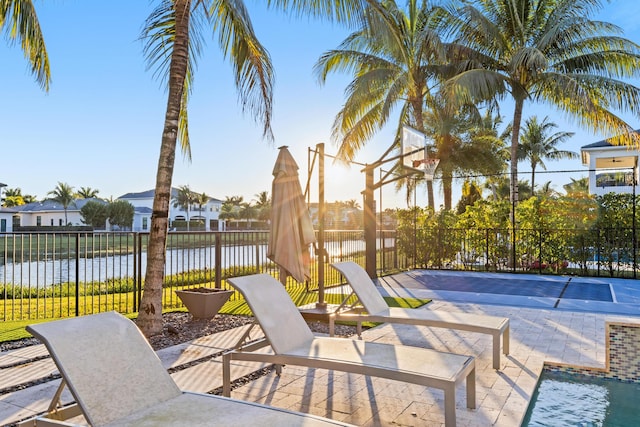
(100, 124)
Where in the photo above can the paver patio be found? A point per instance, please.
(537, 335)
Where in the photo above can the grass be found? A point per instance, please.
(15, 329)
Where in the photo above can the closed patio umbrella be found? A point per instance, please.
(291, 227)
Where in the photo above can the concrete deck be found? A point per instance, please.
(540, 331)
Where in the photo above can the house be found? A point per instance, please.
(7, 217)
(49, 213)
(143, 204)
(612, 168)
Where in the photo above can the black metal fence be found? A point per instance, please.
(610, 252)
(50, 275)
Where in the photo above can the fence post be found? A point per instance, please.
(486, 249)
(218, 256)
(369, 225)
(134, 255)
(77, 274)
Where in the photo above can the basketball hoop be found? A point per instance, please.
(414, 153)
(427, 166)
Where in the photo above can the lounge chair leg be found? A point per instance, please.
(332, 322)
(226, 374)
(278, 369)
(359, 329)
(450, 406)
(505, 340)
(471, 389)
(496, 351)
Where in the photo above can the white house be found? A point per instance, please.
(143, 204)
(6, 219)
(612, 168)
(49, 213)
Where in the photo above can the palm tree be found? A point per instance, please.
(391, 57)
(87, 193)
(63, 194)
(19, 20)
(536, 145)
(183, 199)
(173, 34)
(263, 205)
(201, 200)
(546, 190)
(14, 197)
(544, 51)
(465, 142)
(577, 186)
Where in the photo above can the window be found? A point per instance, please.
(39, 221)
(144, 222)
(619, 178)
(52, 222)
(60, 222)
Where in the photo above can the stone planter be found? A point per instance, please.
(204, 303)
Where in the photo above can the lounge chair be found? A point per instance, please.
(293, 343)
(117, 379)
(375, 309)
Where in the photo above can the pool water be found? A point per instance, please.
(563, 399)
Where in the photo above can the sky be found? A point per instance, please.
(100, 124)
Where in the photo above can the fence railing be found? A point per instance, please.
(588, 252)
(51, 275)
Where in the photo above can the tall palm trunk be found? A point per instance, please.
(430, 199)
(150, 311)
(416, 104)
(447, 184)
(533, 178)
(515, 136)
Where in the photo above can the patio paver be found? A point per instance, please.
(539, 333)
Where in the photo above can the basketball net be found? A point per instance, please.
(427, 166)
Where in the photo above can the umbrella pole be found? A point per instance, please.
(320, 255)
(283, 276)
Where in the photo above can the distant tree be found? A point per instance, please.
(470, 194)
(231, 207)
(547, 190)
(87, 193)
(537, 144)
(184, 199)
(352, 204)
(499, 187)
(95, 214)
(63, 194)
(12, 197)
(577, 186)
(263, 205)
(228, 211)
(28, 198)
(248, 212)
(120, 213)
(201, 200)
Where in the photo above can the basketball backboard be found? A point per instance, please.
(415, 154)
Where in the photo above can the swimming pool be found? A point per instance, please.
(563, 399)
